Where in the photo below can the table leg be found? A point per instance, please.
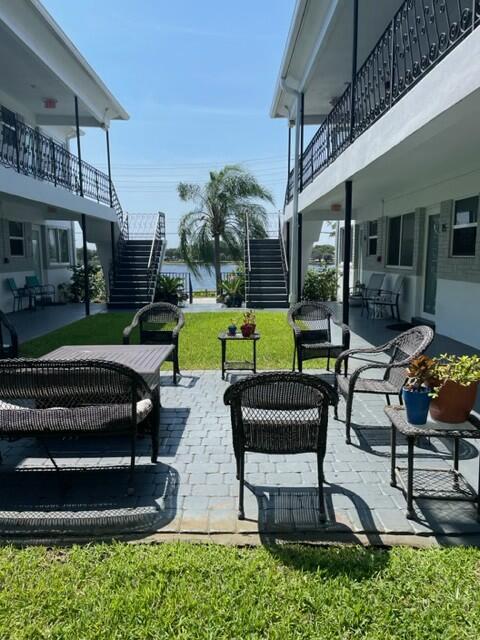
(254, 356)
(410, 511)
(393, 456)
(155, 422)
(455, 461)
(224, 344)
(478, 493)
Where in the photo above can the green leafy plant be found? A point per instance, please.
(320, 285)
(75, 290)
(234, 286)
(464, 370)
(420, 373)
(168, 287)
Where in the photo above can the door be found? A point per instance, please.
(431, 265)
(37, 253)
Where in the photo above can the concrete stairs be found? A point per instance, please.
(265, 284)
(130, 287)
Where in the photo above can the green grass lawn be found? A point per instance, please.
(183, 591)
(199, 346)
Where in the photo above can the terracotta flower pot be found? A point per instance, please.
(454, 402)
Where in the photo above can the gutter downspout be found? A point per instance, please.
(295, 268)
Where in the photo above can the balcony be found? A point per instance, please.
(419, 36)
(31, 153)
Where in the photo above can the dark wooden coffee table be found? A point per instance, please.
(235, 365)
(439, 484)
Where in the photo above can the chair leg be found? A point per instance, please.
(155, 425)
(321, 497)
(299, 359)
(335, 411)
(131, 474)
(241, 473)
(328, 360)
(294, 352)
(348, 418)
(387, 398)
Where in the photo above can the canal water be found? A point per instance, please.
(205, 278)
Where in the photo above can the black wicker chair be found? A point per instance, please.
(279, 413)
(75, 398)
(311, 323)
(389, 299)
(8, 338)
(398, 353)
(155, 322)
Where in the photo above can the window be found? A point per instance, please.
(372, 238)
(464, 234)
(58, 245)
(401, 234)
(17, 239)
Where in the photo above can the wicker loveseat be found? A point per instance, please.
(55, 398)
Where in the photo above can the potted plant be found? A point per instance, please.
(232, 328)
(169, 289)
(455, 387)
(234, 288)
(249, 324)
(416, 391)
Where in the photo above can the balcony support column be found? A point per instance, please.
(110, 189)
(86, 283)
(79, 147)
(354, 69)
(347, 243)
(289, 160)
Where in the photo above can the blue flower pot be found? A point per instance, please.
(416, 404)
(232, 330)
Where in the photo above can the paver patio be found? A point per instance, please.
(193, 489)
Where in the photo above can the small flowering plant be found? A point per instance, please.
(420, 372)
(248, 324)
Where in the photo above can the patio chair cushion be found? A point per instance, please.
(366, 385)
(88, 419)
(313, 346)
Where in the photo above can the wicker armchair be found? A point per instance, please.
(152, 320)
(279, 413)
(399, 353)
(311, 323)
(75, 398)
(18, 295)
(8, 338)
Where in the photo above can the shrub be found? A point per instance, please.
(320, 285)
(75, 291)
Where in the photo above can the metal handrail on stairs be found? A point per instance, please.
(156, 251)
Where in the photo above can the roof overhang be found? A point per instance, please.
(39, 61)
(318, 54)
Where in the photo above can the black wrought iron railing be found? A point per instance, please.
(30, 152)
(419, 36)
(283, 252)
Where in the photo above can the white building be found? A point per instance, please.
(406, 141)
(47, 92)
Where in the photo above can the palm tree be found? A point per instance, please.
(221, 209)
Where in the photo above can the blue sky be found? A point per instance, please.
(197, 78)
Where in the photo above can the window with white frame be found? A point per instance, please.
(401, 235)
(16, 232)
(464, 227)
(372, 238)
(58, 246)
